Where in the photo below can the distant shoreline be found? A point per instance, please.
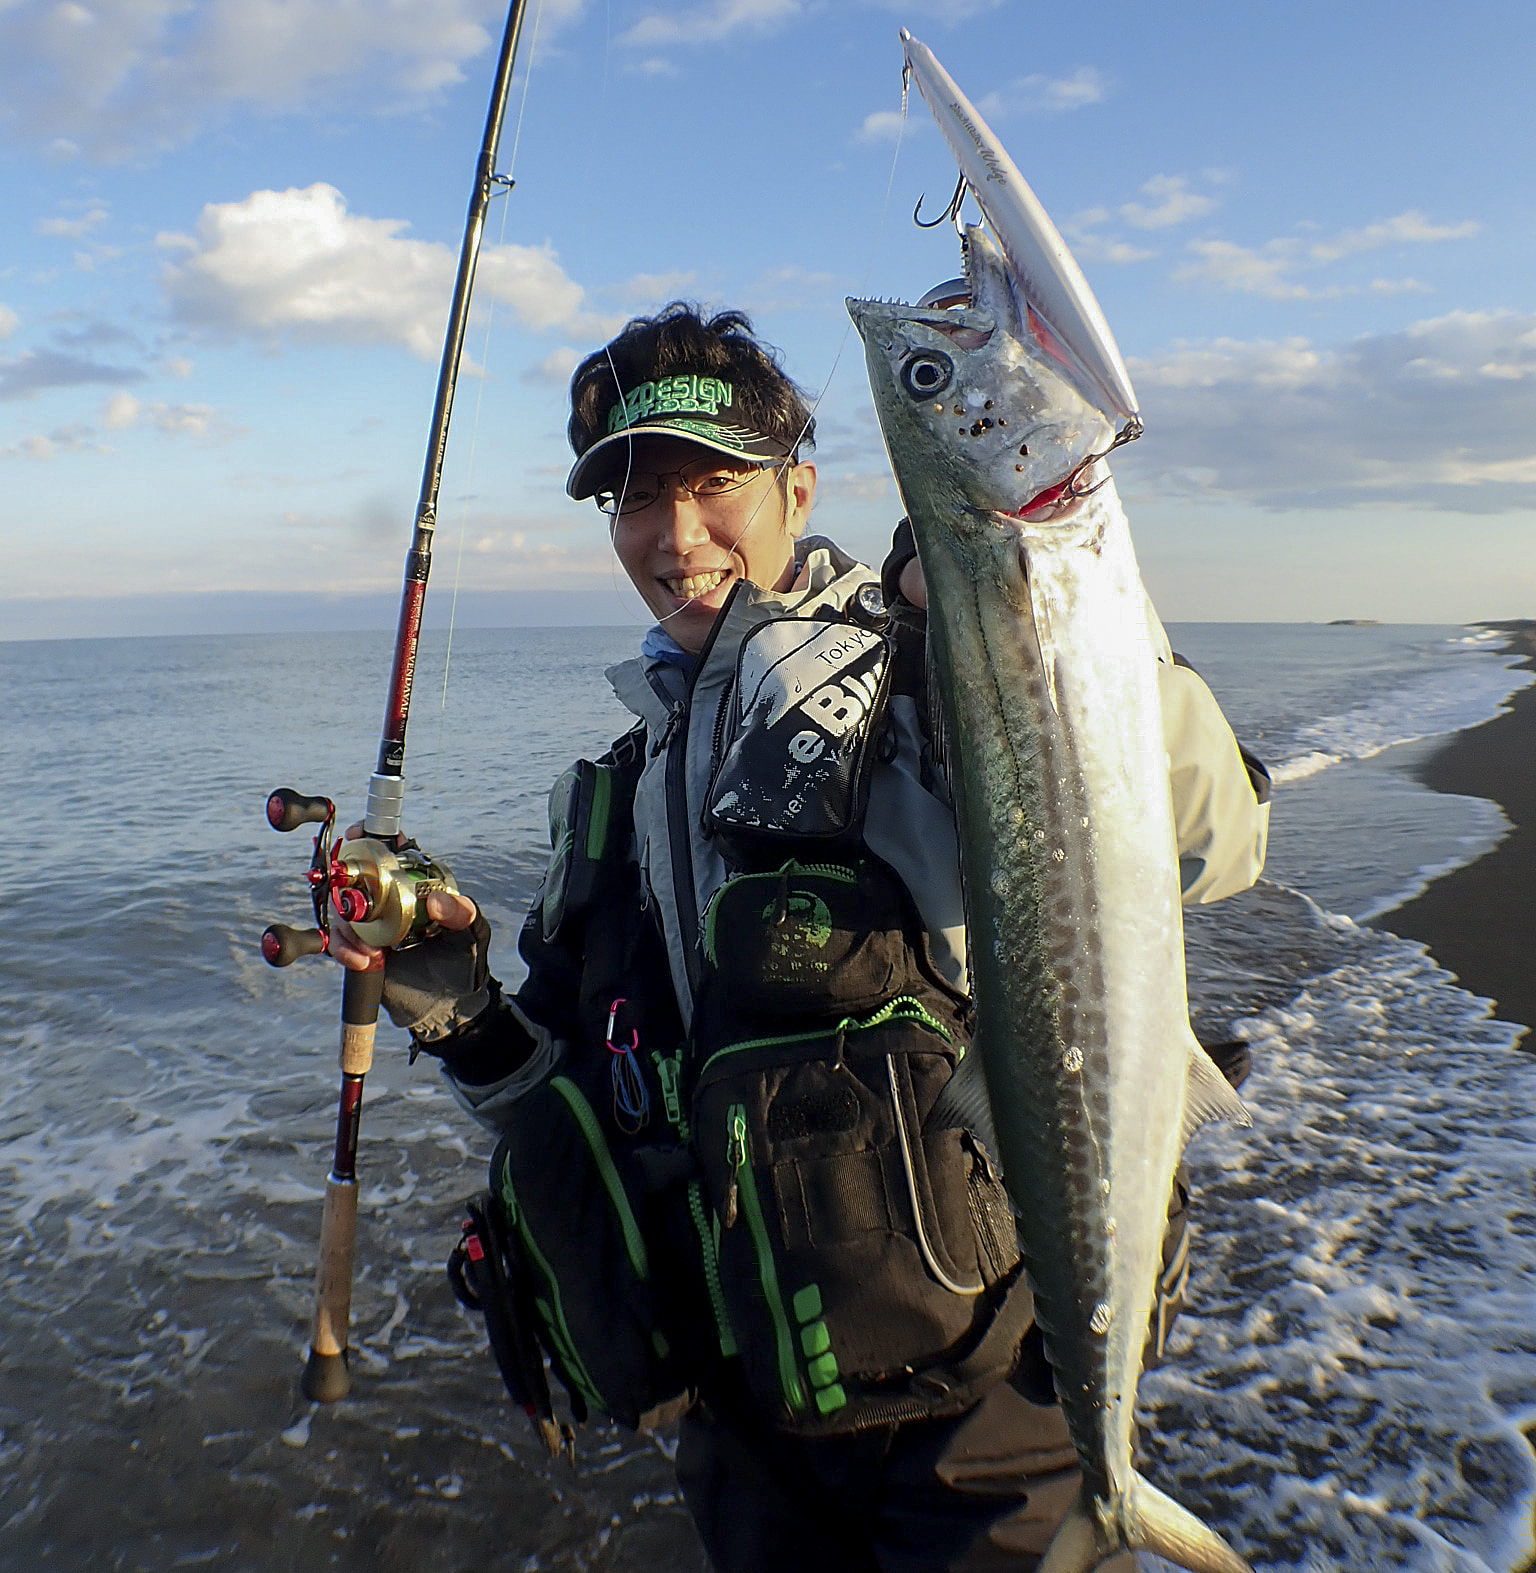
(1479, 921)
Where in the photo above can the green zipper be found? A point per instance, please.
(709, 1251)
(833, 871)
(739, 1148)
(554, 1310)
(902, 1008)
(634, 1241)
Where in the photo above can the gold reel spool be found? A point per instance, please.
(395, 885)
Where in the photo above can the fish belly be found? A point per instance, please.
(1060, 774)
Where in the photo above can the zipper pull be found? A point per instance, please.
(736, 1156)
(667, 1075)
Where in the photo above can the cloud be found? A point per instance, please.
(555, 369)
(9, 322)
(63, 439)
(1270, 269)
(1047, 95)
(72, 228)
(123, 412)
(884, 125)
(651, 289)
(1438, 415)
(1174, 203)
(1170, 202)
(35, 371)
(1411, 228)
(711, 24)
(298, 263)
(119, 77)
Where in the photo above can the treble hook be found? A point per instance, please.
(952, 211)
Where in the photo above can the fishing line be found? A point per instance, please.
(782, 467)
(507, 181)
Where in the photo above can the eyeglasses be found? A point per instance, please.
(704, 478)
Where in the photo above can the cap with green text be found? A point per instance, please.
(687, 404)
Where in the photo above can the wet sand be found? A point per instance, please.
(1480, 921)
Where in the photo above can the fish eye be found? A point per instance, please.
(927, 374)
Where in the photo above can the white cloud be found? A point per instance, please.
(9, 322)
(651, 289)
(1265, 271)
(44, 446)
(123, 412)
(1088, 247)
(1173, 203)
(1411, 228)
(1270, 269)
(1438, 415)
(93, 218)
(940, 10)
(884, 125)
(710, 24)
(122, 76)
(555, 369)
(297, 262)
(1046, 95)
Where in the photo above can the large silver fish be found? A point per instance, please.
(996, 418)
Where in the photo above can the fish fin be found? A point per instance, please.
(1158, 1524)
(1151, 1521)
(1209, 1095)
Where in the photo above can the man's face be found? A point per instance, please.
(684, 552)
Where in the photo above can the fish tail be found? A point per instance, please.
(1149, 1520)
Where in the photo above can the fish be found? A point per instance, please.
(998, 406)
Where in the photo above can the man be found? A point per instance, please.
(742, 1156)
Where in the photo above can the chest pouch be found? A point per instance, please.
(581, 823)
(800, 732)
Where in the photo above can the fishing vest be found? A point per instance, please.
(755, 1160)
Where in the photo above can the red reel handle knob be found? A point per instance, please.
(281, 946)
(352, 904)
(287, 809)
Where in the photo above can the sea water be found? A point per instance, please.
(1346, 1390)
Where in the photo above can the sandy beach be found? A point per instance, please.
(1480, 920)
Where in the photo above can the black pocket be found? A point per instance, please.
(576, 1221)
(849, 1254)
(799, 741)
(782, 945)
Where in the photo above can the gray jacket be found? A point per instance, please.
(1222, 826)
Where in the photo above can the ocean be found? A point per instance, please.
(1346, 1390)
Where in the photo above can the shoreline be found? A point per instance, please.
(1477, 920)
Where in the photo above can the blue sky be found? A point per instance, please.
(231, 229)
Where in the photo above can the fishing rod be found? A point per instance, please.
(379, 883)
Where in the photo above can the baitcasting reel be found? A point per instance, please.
(380, 890)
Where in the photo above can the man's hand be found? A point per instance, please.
(448, 909)
(912, 584)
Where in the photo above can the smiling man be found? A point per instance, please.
(698, 471)
(745, 1169)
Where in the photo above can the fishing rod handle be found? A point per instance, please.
(326, 1374)
(281, 945)
(287, 809)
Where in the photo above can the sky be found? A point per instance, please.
(231, 228)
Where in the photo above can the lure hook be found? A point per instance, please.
(951, 211)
